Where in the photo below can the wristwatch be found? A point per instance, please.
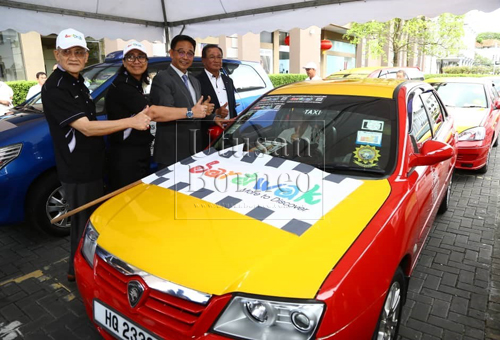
(189, 113)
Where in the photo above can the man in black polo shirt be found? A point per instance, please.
(76, 133)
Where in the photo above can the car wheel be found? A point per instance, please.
(484, 169)
(46, 201)
(445, 203)
(390, 317)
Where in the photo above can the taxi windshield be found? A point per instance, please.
(331, 132)
(467, 95)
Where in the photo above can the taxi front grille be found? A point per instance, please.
(157, 309)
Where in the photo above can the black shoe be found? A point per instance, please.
(71, 278)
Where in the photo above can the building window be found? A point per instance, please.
(11, 59)
(266, 37)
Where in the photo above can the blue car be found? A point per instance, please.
(29, 187)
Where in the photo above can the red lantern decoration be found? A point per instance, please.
(326, 45)
(287, 40)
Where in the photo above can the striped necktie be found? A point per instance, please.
(185, 78)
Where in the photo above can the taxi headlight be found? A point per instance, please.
(257, 318)
(89, 244)
(475, 133)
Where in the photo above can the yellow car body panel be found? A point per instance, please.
(381, 88)
(215, 250)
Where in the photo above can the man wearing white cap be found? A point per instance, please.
(311, 71)
(76, 133)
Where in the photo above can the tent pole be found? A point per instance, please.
(167, 36)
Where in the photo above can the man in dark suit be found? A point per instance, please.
(175, 87)
(217, 86)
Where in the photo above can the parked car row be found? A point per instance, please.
(30, 189)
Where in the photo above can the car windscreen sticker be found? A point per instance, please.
(374, 125)
(285, 194)
(368, 137)
(366, 156)
(310, 99)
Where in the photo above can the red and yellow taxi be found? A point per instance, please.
(475, 106)
(304, 220)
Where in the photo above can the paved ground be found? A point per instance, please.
(454, 292)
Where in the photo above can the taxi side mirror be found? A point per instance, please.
(497, 104)
(431, 152)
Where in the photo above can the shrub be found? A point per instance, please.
(286, 78)
(469, 70)
(444, 75)
(20, 88)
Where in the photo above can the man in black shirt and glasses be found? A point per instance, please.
(76, 133)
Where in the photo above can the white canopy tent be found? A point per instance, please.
(157, 20)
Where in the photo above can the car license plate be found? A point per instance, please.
(118, 325)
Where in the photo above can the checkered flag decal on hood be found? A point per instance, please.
(285, 194)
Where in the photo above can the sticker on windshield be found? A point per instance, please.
(366, 156)
(368, 137)
(285, 194)
(374, 125)
(306, 99)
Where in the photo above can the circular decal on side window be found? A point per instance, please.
(366, 156)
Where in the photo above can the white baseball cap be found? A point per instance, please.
(311, 64)
(70, 38)
(134, 45)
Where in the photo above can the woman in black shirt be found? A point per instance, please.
(129, 152)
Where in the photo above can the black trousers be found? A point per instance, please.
(127, 165)
(78, 194)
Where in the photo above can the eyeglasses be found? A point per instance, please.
(215, 57)
(80, 54)
(132, 58)
(184, 54)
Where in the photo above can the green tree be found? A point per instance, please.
(479, 60)
(487, 35)
(436, 37)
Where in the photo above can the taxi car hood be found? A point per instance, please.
(466, 118)
(215, 242)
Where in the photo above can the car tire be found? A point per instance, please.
(390, 316)
(496, 142)
(445, 203)
(46, 201)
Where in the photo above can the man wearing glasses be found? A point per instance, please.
(175, 87)
(76, 133)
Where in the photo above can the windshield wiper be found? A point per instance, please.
(472, 106)
(27, 108)
(250, 88)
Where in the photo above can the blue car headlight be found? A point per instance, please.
(475, 133)
(9, 153)
(90, 237)
(262, 318)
